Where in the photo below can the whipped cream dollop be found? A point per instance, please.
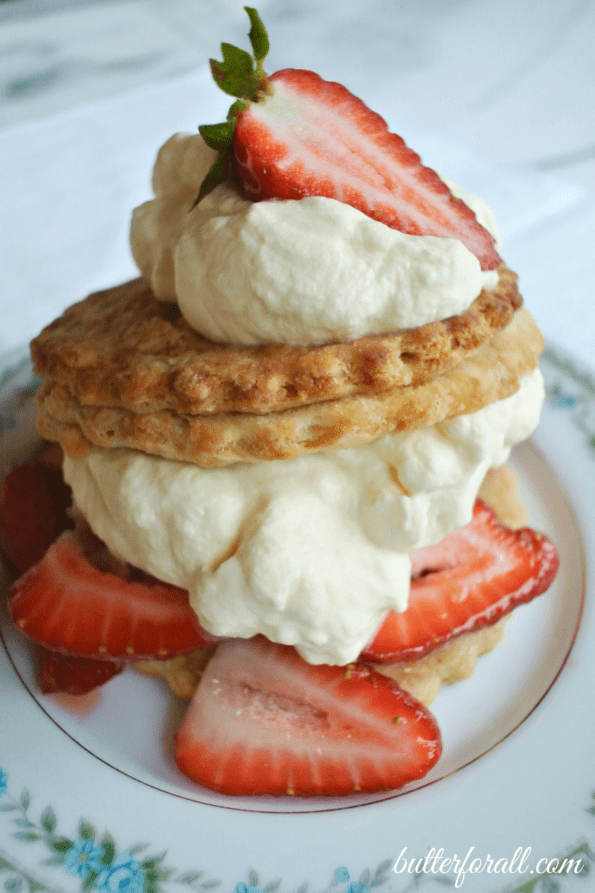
(310, 551)
(293, 272)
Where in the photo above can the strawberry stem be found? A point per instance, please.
(243, 76)
(259, 38)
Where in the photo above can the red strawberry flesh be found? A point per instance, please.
(264, 721)
(74, 675)
(33, 511)
(468, 580)
(68, 605)
(313, 137)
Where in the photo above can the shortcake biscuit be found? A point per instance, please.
(123, 348)
(491, 373)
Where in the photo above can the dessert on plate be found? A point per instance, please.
(277, 441)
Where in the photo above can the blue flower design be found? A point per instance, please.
(342, 877)
(83, 858)
(123, 875)
(3, 780)
(246, 888)
(562, 400)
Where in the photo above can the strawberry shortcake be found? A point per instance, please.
(276, 441)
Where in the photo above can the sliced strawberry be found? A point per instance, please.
(313, 137)
(68, 605)
(263, 721)
(33, 511)
(75, 675)
(293, 135)
(469, 579)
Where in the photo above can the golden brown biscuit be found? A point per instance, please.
(181, 673)
(123, 348)
(490, 374)
(423, 678)
(500, 490)
(450, 663)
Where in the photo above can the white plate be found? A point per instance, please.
(90, 795)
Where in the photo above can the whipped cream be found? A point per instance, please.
(482, 212)
(293, 272)
(310, 551)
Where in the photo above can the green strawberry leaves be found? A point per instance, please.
(240, 75)
(236, 75)
(219, 172)
(218, 136)
(259, 38)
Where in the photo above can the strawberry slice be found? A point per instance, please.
(68, 605)
(468, 580)
(75, 675)
(313, 137)
(293, 135)
(33, 511)
(263, 721)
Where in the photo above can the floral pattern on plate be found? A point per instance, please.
(95, 861)
(92, 858)
(100, 867)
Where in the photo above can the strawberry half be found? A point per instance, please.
(293, 135)
(468, 580)
(33, 511)
(74, 675)
(263, 721)
(68, 605)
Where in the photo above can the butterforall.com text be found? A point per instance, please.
(438, 863)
